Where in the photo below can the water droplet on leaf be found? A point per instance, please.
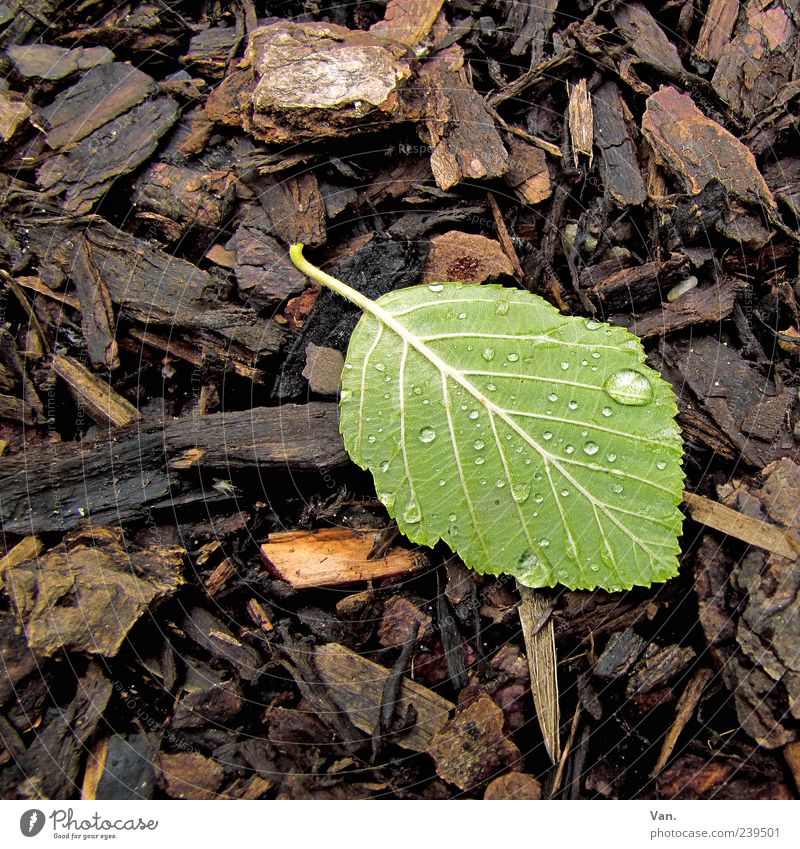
(629, 387)
(427, 434)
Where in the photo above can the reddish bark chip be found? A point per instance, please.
(698, 150)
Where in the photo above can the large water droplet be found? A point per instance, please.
(592, 324)
(520, 492)
(380, 367)
(612, 457)
(538, 498)
(479, 461)
(490, 387)
(544, 542)
(547, 435)
(427, 434)
(552, 397)
(345, 396)
(569, 449)
(502, 308)
(512, 358)
(573, 405)
(436, 287)
(452, 517)
(607, 411)
(371, 439)
(564, 365)
(385, 466)
(617, 488)
(565, 492)
(595, 355)
(488, 354)
(661, 465)
(474, 414)
(629, 387)
(411, 513)
(500, 484)
(590, 448)
(478, 444)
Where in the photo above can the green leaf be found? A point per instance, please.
(533, 444)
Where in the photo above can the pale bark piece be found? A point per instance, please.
(408, 21)
(716, 31)
(309, 80)
(759, 61)
(528, 173)
(104, 405)
(87, 593)
(619, 165)
(472, 748)
(333, 557)
(102, 94)
(85, 172)
(356, 685)
(697, 149)
(579, 115)
(645, 36)
(13, 111)
(464, 141)
(513, 785)
(465, 258)
(323, 369)
(48, 62)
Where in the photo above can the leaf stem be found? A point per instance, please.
(317, 274)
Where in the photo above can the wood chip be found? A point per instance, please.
(85, 172)
(334, 557)
(683, 713)
(619, 166)
(648, 40)
(190, 775)
(356, 685)
(323, 369)
(13, 111)
(465, 258)
(102, 94)
(408, 21)
(464, 141)
(104, 405)
(472, 747)
(716, 30)
(770, 537)
(697, 149)
(528, 173)
(513, 785)
(581, 122)
(47, 62)
(759, 61)
(109, 585)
